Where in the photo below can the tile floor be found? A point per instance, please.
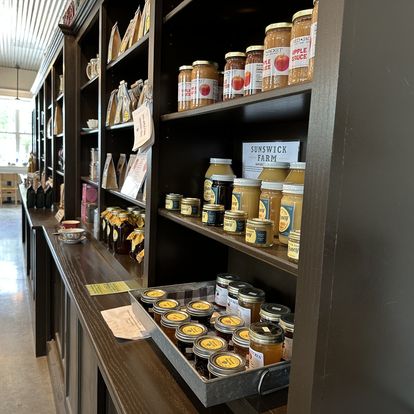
(24, 379)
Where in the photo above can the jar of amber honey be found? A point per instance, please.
(164, 305)
(250, 301)
(204, 347)
(171, 320)
(200, 311)
(149, 296)
(225, 325)
(241, 341)
(272, 312)
(186, 334)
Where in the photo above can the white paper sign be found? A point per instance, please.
(136, 176)
(143, 127)
(255, 154)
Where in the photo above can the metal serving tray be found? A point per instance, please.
(260, 381)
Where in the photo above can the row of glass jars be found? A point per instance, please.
(286, 58)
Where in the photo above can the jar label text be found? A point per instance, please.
(245, 314)
(293, 250)
(233, 83)
(184, 91)
(204, 88)
(287, 214)
(264, 208)
(253, 76)
(236, 201)
(276, 62)
(256, 359)
(232, 305)
(221, 296)
(299, 52)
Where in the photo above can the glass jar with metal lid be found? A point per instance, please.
(234, 75)
(221, 291)
(274, 171)
(294, 246)
(272, 312)
(287, 323)
(213, 215)
(296, 174)
(241, 343)
(290, 211)
(218, 166)
(204, 83)
(122, 228)
(259, 232)
(250, 301)
(276, 55)
(138, 217)
(269, 205)
(245, 197)
(221, 189)
(266, 344)
(253, 70)
(204, 347)
(184, 88)
(235, 222)
(112, 219)
(164, 305)
(300, 47)
(105, 215)
(225, 325)
(171, 320)
(232, 296)
(173, 202)
(201, 311)
(190, 207)
(149, 296)
(223, 364)
(137, 240)
(186, 334)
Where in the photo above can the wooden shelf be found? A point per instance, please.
(292, 102)
(176, 10)
(275, 256)
(131, 200)
(59, 97)
(49, 168)
(131, 53)
(59, 135)
(50, 106)
(120, 126)
(90, 132)
(89, 181)
(90, 82)
(60, 173)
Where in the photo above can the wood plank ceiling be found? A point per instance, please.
(26, 29)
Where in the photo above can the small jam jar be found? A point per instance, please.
(232, 296)
(186, 334)
(274, 171)
(173, 202)
(213, 215)
(235, 222)
(245, 197)
(266, 344)
(204, 347)
(120, 232)
(294, 246)
(184, 88)
(225, 325)
(164, 305)
(222, 283)
(269, 205)
(259, 232)
(287, 323)
(253, 70)
(190, 207)
(241, 343)
(250, 301)
(296, 174)
(137, 238)
(104, 221)
(223, 364)
(222, 187)
(314, 31)
(272, 312)
(204, 83)
(149, 296)
(112, 218)
(200, 311)
(234, 75)
(171, 320)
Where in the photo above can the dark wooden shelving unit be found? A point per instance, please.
(90, 132)
(61, 173)
(131, 200)
(176, 10)
(59, 135)
(125, 125)
(87, 180)
(59, 97)
(90, 83)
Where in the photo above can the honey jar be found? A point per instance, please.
(149, 296)
(259, 232)
(253, 70)
(245, 197)
(213, 215)
(225, 325)
(233, 86)
(241, 343)
(204, 83)
(274, 172)
(221, 291)
(190, 207)
(272, 312)
(232, 296)
(235, 222)
(200, 311)
(204, 347)
(269, 205)
(287, 323)
(171, 320)
(266, 344)
(173, 202)
(296, 174)
(218, 166)
(314, 31)
(186, 334)
(294, 246)
(223, 364)
(164, 305)
(184, 88)
(290, 211)
(250, 301)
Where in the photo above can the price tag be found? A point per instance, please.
(136, 176)
(59, 215)
(143, 127)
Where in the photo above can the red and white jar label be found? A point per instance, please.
(314, 31)
(204, 88)
(299, 52)
(233, 83)
(276, 62)
(184, 92)
(253, 76)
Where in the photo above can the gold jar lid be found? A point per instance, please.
(234, 54)
(259, 223)
(273, 311)
(226, 363)
(131, 209)
(293, 188)
(270, 185)
(283, 25)
(228, 323)
(152, 295)
(213, 207)
(251, 295)
(191, 201)
(302, 13)
(165, 305)
(123, 214)
(173, 196)
(174, 318)
(241, 337)
(200, 308)
(266, 333)
(246, 182)
(234, 287)
(205, 62)
(113, 208)
(185, 67)
(297, 165)
(204, 346)
(190, 331)
(226, 278)
(236, 214)
(255, 48)
(287, 322)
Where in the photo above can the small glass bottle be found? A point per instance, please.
(241, 341)
(200, 311)
(294, 246)
(213, 215)
(190, 207)
(164, 305)
(184, 88)
(173, 202)
(253, 70)
(235, 222)
(149, 296)
(287, 323)
(221, 188)
(186, 334)
(234, 75)
(218, 166)
(272, 312)
(223, 364)
(250, 301)
(221, 291)
(204, 347)
(290, 218)
(120, 232)
(232, 296)
(225, 325)
(171, 320)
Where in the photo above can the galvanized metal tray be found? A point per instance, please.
(260, 381)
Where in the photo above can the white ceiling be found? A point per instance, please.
(26, 28)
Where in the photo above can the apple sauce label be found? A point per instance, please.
(221, 296)
(256, 359)
(233, 83)
(204, 88)
(299, 52)
(287, 214)
(253, 76)
(276, 62)
(314, 30)
(184, 92)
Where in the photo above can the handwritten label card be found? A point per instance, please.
(143, 127)
(136, 176)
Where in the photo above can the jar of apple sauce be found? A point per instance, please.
(241, 343)
(233, 86)
(235, 222)
(186, 334)
(274, 171)
(171, 320)
(218, 166)
(246, 195)
(163, 305)
(225, 325)
(250, 301)
(276, 56)
(253, 70)
(297, 173)
(221, 190)
(190, 207)
(150, 296)
(290, 211)
(314, 31)
(213, 215)
(184, 88)
(223, 364)
(233, 294)
(300, 47)
(287, 323)
(173, 202)
(200, 311)
(204, 83)
(259, 232)
(266, 344)
(272, 312)
(294, 246)
(221, 291)
(204, 347)
(269, 205)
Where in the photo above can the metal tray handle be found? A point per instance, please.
(275, 375)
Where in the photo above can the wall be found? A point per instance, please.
(8, 82)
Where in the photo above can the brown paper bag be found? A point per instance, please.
(111, 110)
(114, 43)
(121, 169)
(135, 93)
(125, 40)
(109, 174)
(119, 103)
(144, 24)
(135, 28)
(58, 124)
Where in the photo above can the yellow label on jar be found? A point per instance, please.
(284, 220)
(262, 210)
(186, 210)
(115, 235)
(154, 293)
(293, 250)
(169, 205)
(176, 317)
(192, 330)
(200, 306)
(244, 335)
(235, 201)
(230, 225)
(204, 217)
(227, 361)
(211, 343)
(250, 235)
(208, 194)
(167, 304)
(231, 321)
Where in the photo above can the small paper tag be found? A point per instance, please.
(59, 215)
(143, 126)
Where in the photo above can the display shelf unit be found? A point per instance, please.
(131, 200)
(90, 132)
(125, 125)
(87, 180)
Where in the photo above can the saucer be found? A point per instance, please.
(71, 241)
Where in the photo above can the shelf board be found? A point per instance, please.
(275, 256)
(89, 83)
(91, 131)
(176, 10)
(133, 51)
(50, 168)
(89, 181)
(139, 203)
(284, 103)
(50, 106)
(59, 97)
(59, 135)
(60, 173)
(120, 126)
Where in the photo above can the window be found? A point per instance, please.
(15, 130)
